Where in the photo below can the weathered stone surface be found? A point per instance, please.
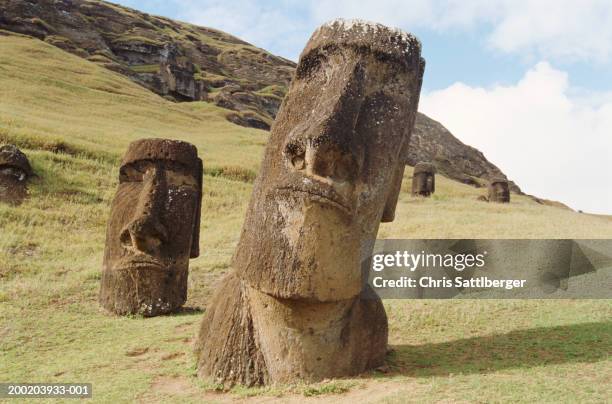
(248, 119)
(499, 191)
(249, 106)
(176, 76)
(294, 307)
(15, 171)
(424, 179)
(153, 228)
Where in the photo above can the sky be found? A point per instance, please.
(528, 83)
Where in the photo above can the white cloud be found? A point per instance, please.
(567, 29)
(553, 144)
(264, 24)
(551, 29)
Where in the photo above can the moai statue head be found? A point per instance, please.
(499, 191)
(15, 171)
(153, 228)
(423, 179)
(333, 166)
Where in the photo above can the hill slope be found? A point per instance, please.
(185, 62)
(434, 143)
(181, 61)
(74, 119)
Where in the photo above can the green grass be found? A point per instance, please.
(145, 68)
(74, 119)
(337, 387)
(137, 38)
(273, 91)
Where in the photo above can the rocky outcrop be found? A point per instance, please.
(432, 142)
(177, 74)
(15, 170)
(180, 61)
(254, 109)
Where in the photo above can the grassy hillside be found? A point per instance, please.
(70, 104)
(74, 119)
(174, 59)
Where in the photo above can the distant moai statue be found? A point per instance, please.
(15, 170)
(499, 190)
(153, 228)
(423, 179)
(294, 306)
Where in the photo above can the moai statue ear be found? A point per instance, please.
(396, 185)
(393, 196)
(195, 238)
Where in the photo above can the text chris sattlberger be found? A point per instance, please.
(459, 262)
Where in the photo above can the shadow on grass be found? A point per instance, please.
(576, 343)
(187, 311)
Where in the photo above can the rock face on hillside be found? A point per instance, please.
(181, 61)
(184, 62)
(432, 142)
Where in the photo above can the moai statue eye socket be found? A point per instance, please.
(15, 171)
(423, 179)
(331, 174)
(153, 228)
(499, 190)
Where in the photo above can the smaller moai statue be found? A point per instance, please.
(424, 179)
(499, 191)
(15, 171)
(153, 228)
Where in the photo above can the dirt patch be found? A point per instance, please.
(174, 386)
(137, 352)
(171, 356)
(184, 340)
(368, 391)
(28, 250)
(12, 191)
(184, 326)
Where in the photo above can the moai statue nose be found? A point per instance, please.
(146, 233)
(322, 159)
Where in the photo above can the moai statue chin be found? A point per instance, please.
(15, 171)
(423, 179)
(293, 307)
(153, 229)
(499, 190)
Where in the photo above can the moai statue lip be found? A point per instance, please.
(15, 170)
(499, 191)
(333, 162)
(153, 228)
(423, 179)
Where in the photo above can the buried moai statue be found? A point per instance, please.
(499, 191)
(423, 179)
(15, 171)
(153, 228)
(295, 306)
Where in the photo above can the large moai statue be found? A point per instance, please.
(153, 229)
(15, 170)
(294, 306)
(424, 179)
(499, 191)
